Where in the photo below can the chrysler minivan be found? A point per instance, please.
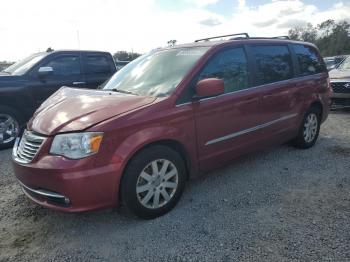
(168, 116)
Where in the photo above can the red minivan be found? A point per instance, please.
(168, 116)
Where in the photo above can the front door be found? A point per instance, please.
(66, 72)
(224, 123)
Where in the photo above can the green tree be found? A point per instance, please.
(125, 56)
(332, 38)
(307, 33)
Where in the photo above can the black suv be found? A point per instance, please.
(27, 83)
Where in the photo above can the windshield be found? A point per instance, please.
(156, 73)
(345, 65)
(329, 62)
(24, 65)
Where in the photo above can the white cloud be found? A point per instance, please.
(276, 18)
(111, 25)
(202, 3)
(241, 5)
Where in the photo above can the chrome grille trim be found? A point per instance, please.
(27, 147)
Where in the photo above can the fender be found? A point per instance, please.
(314, 99)
(17, 96)
(141, 139)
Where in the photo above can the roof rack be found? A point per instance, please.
(282, 37)
(243, 36)
(215, 37)
(274, 37)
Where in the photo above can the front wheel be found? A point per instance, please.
(153, 182)
(309, 129)
(10, 126)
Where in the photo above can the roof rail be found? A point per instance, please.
(273, 37)
(209, 38)
(282, 37)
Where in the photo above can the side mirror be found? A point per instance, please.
(45, 71)
(210, 87)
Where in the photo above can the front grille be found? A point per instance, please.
(341, 87)
(28, 147)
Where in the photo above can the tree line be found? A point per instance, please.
(125, 56)
(332, 38)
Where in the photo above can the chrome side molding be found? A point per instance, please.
(249, 130)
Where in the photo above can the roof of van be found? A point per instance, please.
(77, 50)
(239, 41)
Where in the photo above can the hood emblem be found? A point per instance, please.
(347, 85)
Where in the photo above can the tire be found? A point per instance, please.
(11, 124)
(309, 129)
(144, 182)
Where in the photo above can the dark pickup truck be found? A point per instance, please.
(27, 83)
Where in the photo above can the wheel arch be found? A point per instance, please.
(173, 144)
(317, 104)
(13, 104)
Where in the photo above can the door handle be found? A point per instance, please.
(78, 83)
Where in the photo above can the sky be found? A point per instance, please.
(29, 26)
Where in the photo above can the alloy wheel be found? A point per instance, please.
(310, 127)
(9, 129)
(157, 183)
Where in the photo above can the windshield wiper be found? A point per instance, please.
(122, 91)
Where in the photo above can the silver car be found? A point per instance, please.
(340, 82)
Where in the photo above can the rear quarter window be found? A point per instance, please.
(273, 63)
(309, 61)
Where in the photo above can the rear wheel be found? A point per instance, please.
(10, 126)
(153, 182)
(309, 129)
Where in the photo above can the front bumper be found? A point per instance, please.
(69, 185)
(340, 100)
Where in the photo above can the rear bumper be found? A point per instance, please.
(69, 188)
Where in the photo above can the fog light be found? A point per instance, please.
(66, 200)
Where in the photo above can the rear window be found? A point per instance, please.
(97, 64)
(273, 63)
(308, 60)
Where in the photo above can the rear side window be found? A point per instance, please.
(65, 65)
(273, 63)
(231, 66)
(308, 60)
(97, 64)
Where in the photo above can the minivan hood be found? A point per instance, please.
(71, 109)
(337, 74)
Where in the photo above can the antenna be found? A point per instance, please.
(78, 39)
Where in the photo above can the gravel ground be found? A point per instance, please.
(281, 204)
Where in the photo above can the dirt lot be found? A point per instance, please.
(282, 204)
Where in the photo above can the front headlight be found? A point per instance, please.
(76, 145)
